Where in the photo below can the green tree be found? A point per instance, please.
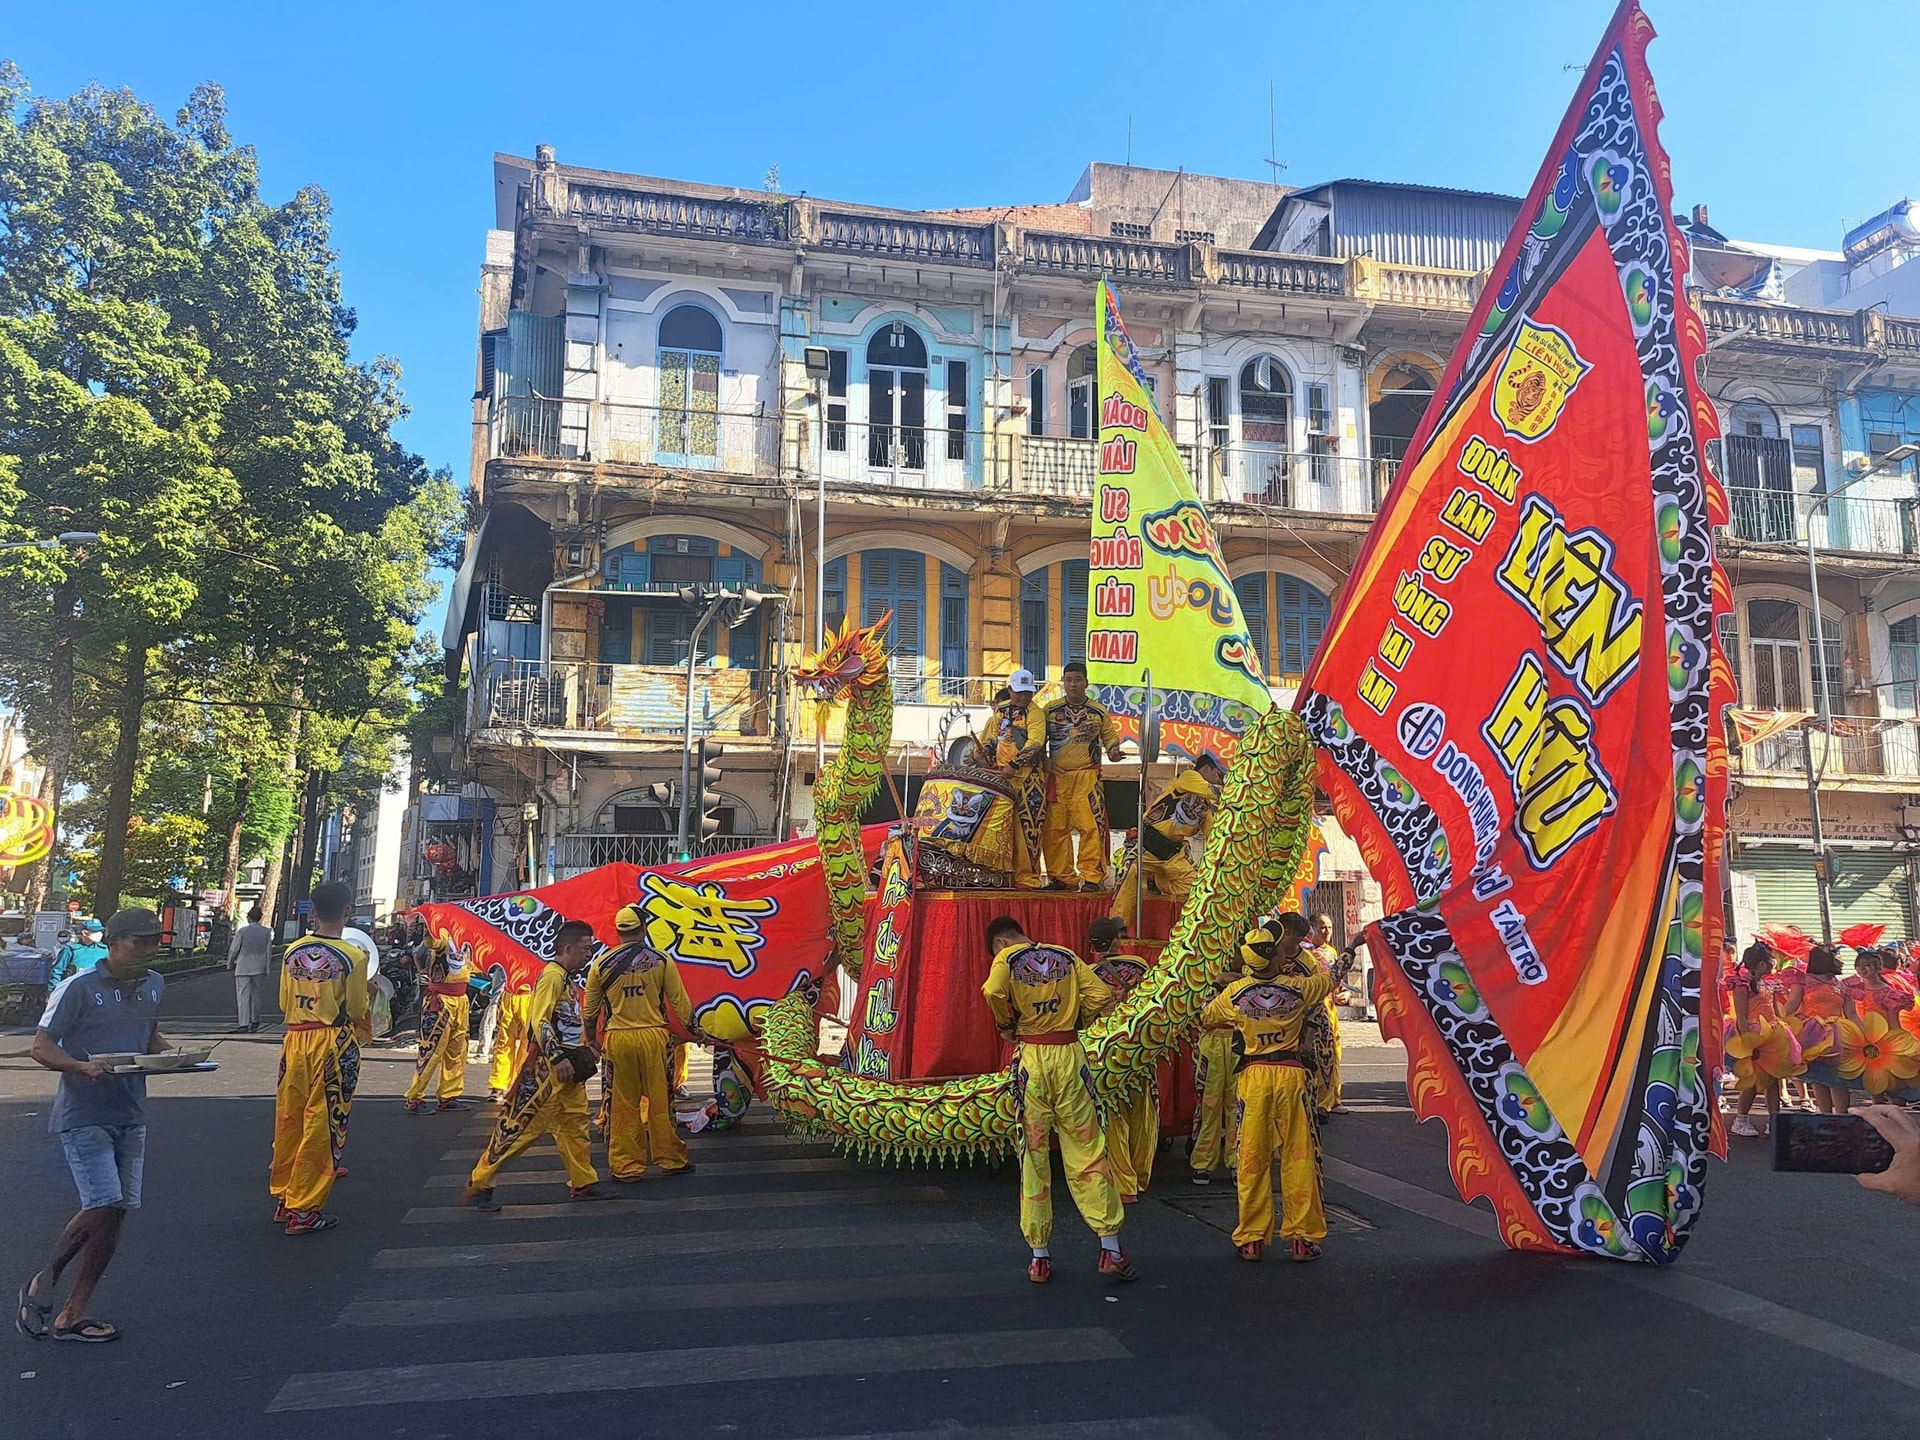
(175, 374)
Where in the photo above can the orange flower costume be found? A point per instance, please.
(1765, 1049)
(1879, 1056)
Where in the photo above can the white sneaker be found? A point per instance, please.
(1743, 1126)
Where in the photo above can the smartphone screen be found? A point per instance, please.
(1828, 1144)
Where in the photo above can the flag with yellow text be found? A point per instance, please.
(1159, 599)
(1518, 704)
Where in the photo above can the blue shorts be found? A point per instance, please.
(107, 1161)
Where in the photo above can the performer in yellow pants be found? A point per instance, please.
(1327, 1091)
(323, 993)
(1074, 731)
(1185, 809)
(1216, 1129)
(548, 1094)
(509, 1036)
(1005, 744)
(635, 985)
(1133, 1127)
(1268, 1009)
(443, 1033)
(1040, 996)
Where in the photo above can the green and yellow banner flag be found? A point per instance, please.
(1159, 600)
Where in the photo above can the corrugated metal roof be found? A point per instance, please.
(1405, 224)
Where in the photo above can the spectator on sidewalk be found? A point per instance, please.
(250, 957)
(112, 1008)
(84, 951)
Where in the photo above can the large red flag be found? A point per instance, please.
(1518, 704)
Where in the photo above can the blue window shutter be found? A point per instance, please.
(616, 634)
(1303, 620)
(730, 571)
(953, 623)
(1252, 593)
(835, 587)
(1073, 599)
(1033, 622)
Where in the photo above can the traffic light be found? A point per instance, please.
(706, 775)
(661, 793)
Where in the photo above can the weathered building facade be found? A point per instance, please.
(646, 421)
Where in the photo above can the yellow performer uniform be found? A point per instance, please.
(1276, 1108)
(538, 1103)
(635, 984)
(509, 1035)
(323, 992)
(1133, 1129)
(1216, 1128)
(1075, 733)
(1327, 1091)
(1004, 746)
(1040, 996)
(443, 1031)
(1185, 809)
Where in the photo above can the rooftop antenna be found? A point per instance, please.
(1273, 143)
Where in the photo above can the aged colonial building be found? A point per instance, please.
(844, 409)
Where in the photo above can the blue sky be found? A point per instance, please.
(1785, 118)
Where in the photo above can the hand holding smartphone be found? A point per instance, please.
(1828, 1144)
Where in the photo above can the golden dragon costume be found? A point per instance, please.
(1263, 824)
(852, 666)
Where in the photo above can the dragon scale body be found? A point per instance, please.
(853, 663)
(1257, 838)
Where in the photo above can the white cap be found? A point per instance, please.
(1022, 681)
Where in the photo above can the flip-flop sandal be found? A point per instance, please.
(34, 1316)
(88, 1332)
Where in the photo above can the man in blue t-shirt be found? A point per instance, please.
(113, 1008)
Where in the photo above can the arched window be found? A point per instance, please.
(897, 398)
(689, 362)
(1392, 419)
(655, 626)
(1753, 417)
(1266, 430)
(1082, 383)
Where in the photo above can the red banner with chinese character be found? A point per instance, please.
(745, 929)
(1518, 705)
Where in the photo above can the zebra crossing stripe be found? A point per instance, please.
(731, 1201)
(616, 1249)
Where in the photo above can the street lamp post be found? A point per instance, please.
(69, 538)
(1823, 703)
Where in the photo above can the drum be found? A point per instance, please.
(968, 813)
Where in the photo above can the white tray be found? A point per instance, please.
(201, 1069)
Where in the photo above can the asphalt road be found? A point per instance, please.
(785, 1294)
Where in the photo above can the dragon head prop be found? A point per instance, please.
(851, 659)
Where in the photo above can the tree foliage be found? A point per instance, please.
(175, 374)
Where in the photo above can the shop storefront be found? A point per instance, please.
(1771, 859)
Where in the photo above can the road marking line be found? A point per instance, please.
(699, 1151)
(639, 1204)
(725, 1169)
(1145, 1427)
(703, 1242)
(666, 1299)
(1863, 1352)
(756, 1136)
(715, 1365)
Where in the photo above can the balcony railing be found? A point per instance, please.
(659, 213)
(905, 457)
(1059, 466)
(1095, 255)
(904, 238)
(1860, 747)
(1282, 274)
(1861, 524)
(1288, 480)
(617, 701)
(1785, 324)
(587, 851)
(724, 441)
(1416, 286)
(730, 442)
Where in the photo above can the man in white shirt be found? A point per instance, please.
(250, 957)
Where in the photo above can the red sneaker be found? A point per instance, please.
(1252, 1250)
(1040, 1269)
(1305, 1250)
(1129, 1199)
(1114, 1265)
(280, 1212)
(339, 1172)
(309, 1222)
